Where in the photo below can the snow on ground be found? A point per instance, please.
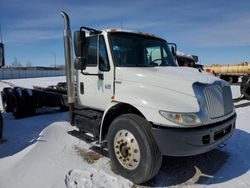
(39, 153)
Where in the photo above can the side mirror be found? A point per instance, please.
(80, 63)
(79, 43)
(2, 62)
(80, 50)
(196, 58)
(173, 48)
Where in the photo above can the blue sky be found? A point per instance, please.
(218, 31)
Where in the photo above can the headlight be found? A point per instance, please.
(181, 118)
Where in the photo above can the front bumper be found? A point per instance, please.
(192, 141)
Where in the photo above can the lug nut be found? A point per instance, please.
(136, 150)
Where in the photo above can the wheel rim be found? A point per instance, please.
(127, 149)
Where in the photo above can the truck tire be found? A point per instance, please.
(132, 148)
(29, 98)
(6, 99)
(229, 79)
(18, 103)
(246, 91)
(235, 79)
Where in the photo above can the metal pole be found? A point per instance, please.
(68, 52)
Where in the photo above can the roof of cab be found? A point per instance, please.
(114, 30)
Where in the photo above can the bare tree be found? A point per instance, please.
(28, 64)
(16, 63)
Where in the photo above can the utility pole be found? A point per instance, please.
(1, 36)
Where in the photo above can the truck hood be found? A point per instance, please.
(179, 79)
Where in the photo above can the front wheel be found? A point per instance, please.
(132, 148)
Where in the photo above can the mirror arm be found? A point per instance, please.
(100, 75)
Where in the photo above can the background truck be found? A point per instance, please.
(229, 72)
(186, 60)
(132, 96)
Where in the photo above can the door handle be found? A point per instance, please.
(82, 88)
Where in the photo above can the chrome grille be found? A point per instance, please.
(218, 100)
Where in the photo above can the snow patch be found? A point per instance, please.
(94, 178)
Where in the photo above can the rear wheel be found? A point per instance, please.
(235, 79)
(246, 91)
(6, 99)
(132, 148)
(18, 103)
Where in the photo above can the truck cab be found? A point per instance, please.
(133, 96)
(186, 60)
(122, 59)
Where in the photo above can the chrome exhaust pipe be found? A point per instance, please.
(68, 53)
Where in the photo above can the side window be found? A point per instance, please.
(103, 56)
(154, 54)
(92, 51)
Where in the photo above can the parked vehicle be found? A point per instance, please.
(186, 60)
(229, 72)
(131, 94)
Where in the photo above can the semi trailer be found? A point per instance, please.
(131, 96)
(229, 72)
(24, 102)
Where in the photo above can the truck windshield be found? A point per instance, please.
(134, 50)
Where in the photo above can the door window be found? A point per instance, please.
(92, 51)
(103, 56)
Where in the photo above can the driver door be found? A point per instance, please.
(93, 91)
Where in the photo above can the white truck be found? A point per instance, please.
(131, 94)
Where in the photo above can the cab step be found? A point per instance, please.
(83, 136)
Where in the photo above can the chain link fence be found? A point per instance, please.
(28, 73)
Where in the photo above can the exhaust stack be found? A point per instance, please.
(68, 52)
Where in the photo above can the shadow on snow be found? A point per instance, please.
(217, 166)
(21, 133)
